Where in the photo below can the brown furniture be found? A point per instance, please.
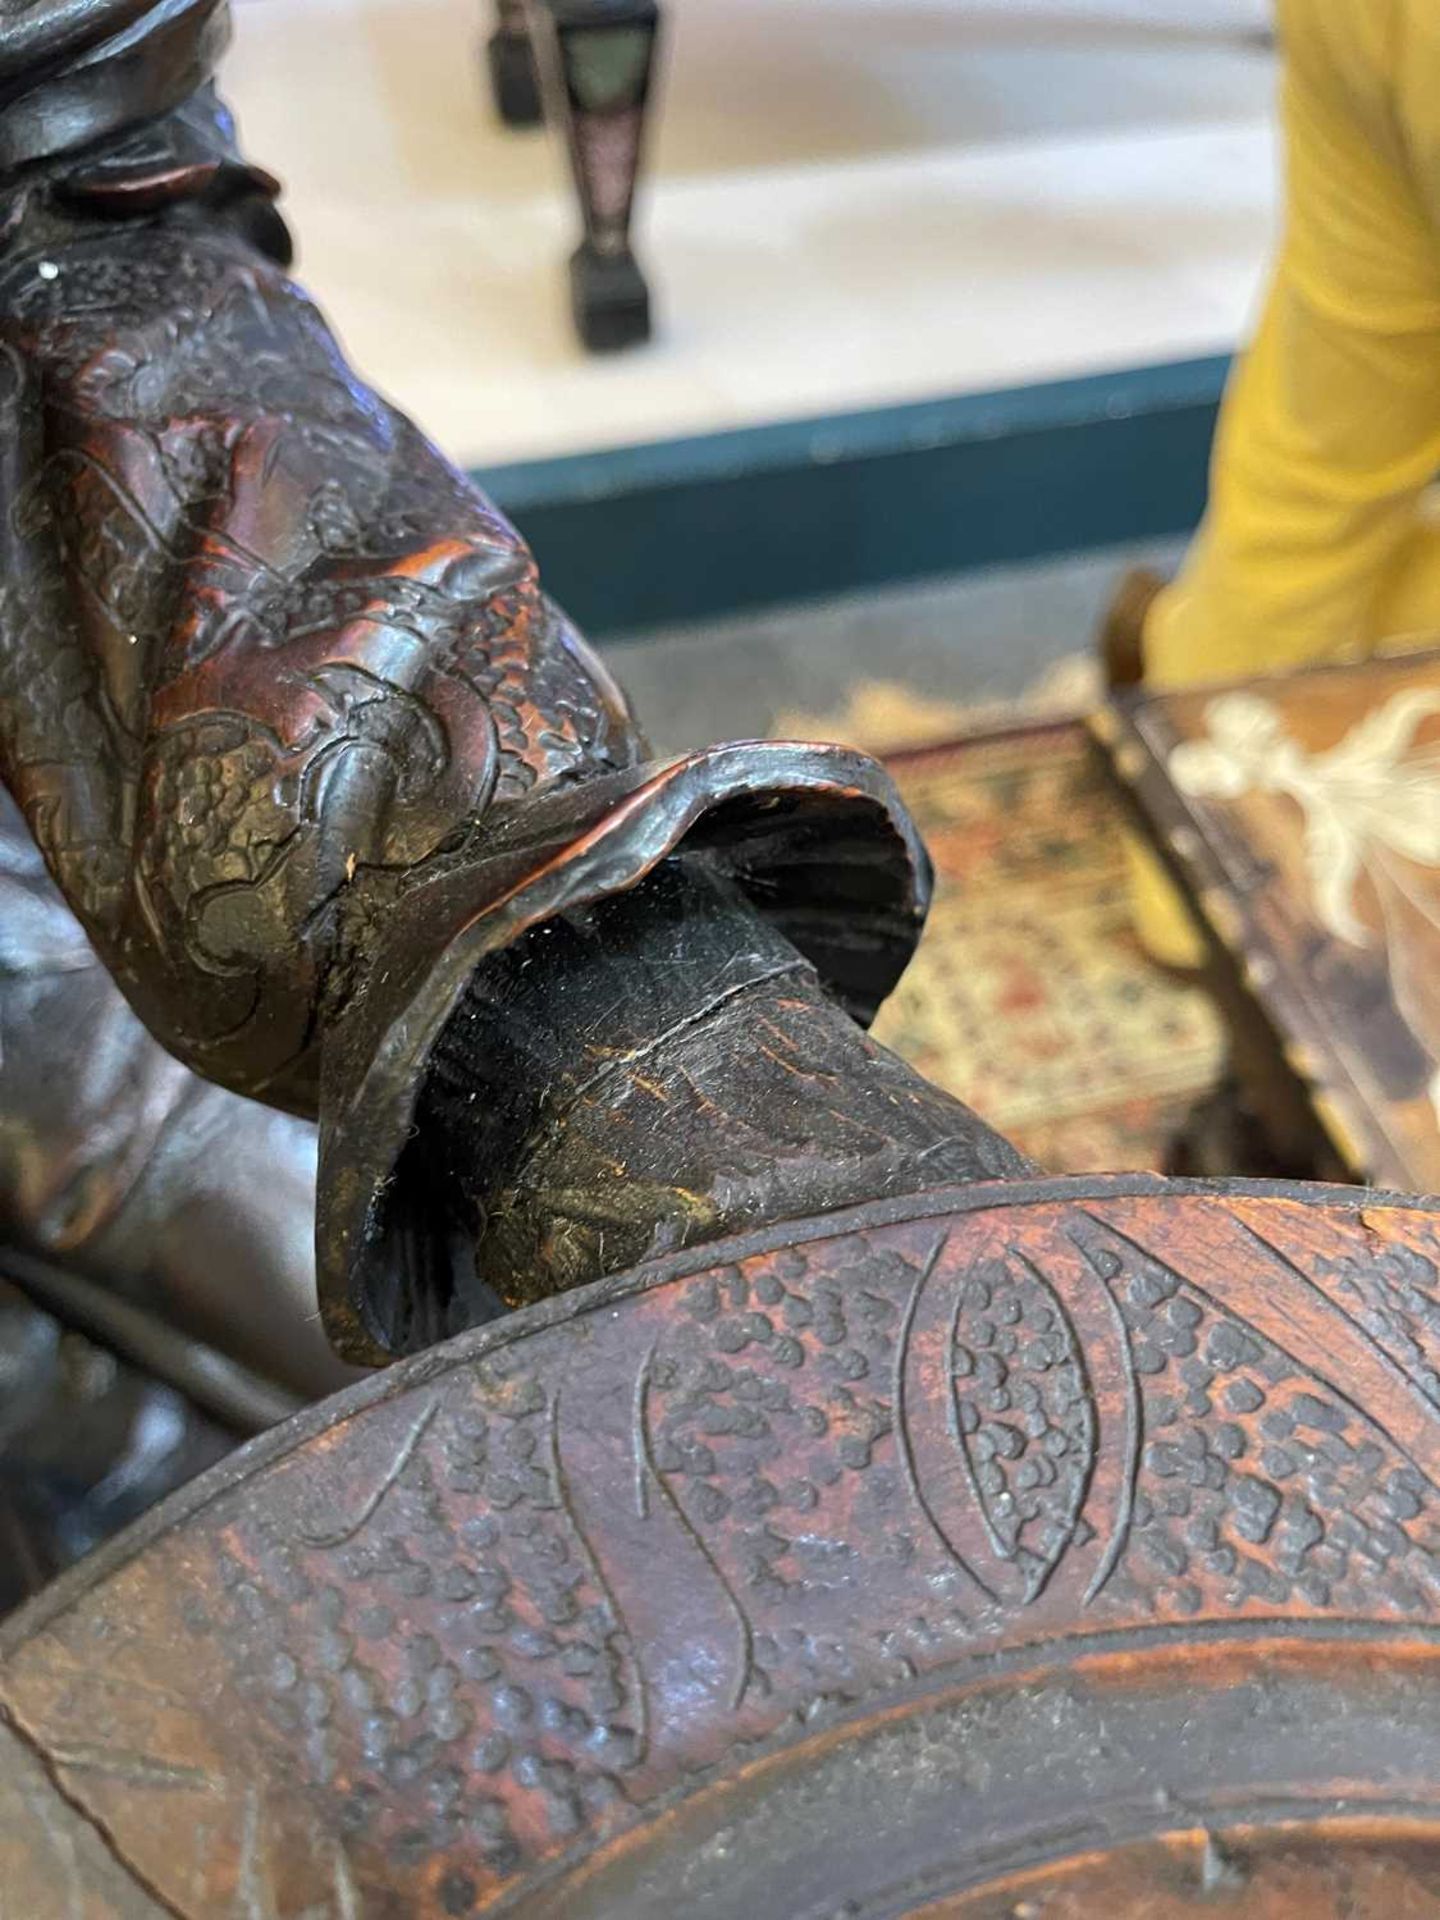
(1301, 816)
(586, 66)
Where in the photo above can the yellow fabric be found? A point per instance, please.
(1317, 544)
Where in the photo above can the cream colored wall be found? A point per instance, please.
(853, 202)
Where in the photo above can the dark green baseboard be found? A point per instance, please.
(684, 530)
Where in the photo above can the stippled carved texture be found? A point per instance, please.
(495, 1609)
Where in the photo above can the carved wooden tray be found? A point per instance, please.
(997, 1552)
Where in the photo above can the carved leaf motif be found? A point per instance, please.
(1022, 1413)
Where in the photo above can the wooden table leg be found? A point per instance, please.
(597, 58)
(510, 56)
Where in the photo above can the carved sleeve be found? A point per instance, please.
(281, 695)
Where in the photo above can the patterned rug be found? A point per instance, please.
(1031, 997)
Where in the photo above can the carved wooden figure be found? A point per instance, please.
(792, 1502)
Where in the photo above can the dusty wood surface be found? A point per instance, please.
(1053, 1536)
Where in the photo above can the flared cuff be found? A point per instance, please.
(816, 837)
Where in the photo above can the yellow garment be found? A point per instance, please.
(1316, 544)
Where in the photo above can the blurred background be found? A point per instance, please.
(940, 287)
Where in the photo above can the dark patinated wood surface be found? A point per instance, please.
(1026, 1544)
(282, 699)
(1302, 816)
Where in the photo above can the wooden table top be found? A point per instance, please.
(1302, 816)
